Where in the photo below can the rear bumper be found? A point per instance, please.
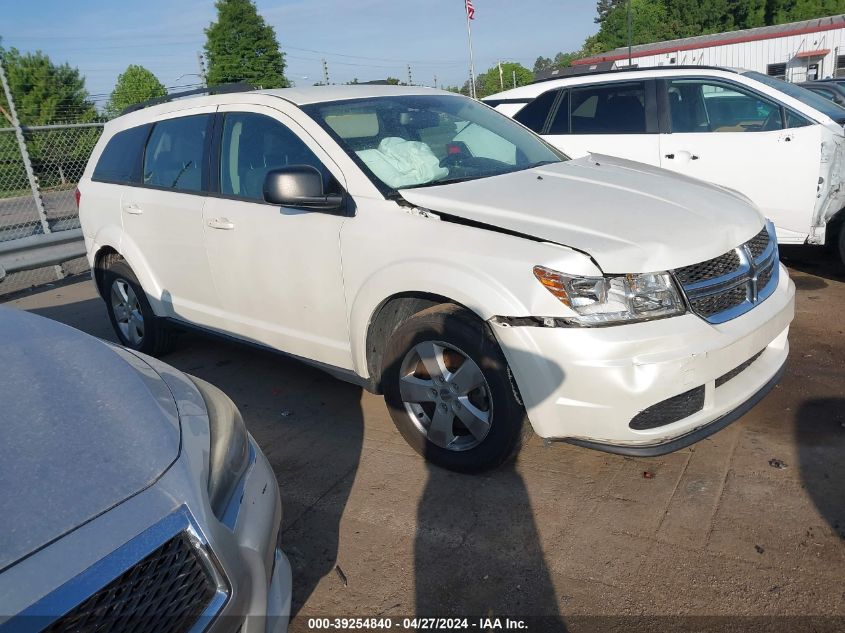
(586, 385)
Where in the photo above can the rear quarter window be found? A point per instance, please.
(120, 161)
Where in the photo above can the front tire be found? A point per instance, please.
(449, 390)
(130, 313)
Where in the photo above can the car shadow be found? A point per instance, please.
(477, 551)
(311, 427)
(820, 436)
(813, 260)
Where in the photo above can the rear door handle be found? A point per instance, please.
(221, 223)
(670, 156)
(133, 209)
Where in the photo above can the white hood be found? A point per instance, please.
(628, 216)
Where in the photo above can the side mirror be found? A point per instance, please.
(299, 186)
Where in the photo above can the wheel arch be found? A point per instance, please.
(104, 256)
(405, 288)
(108, 250)
(391, 313)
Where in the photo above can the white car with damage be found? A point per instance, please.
(775, 142)
(426, 247)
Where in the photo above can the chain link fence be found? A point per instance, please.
(42, 201)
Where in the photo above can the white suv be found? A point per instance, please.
(422, 245)
(775, 142)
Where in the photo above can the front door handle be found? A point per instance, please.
(682, 154)
(133, 209)
(221, 223)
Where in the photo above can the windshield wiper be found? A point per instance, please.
(445, 181)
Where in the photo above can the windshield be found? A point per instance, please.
(421, 140)
(816, 101)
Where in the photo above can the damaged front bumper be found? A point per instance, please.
(652, 387)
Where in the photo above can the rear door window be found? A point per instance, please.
(617, 108)
(174, 156)
(120, 161)
(535, 114)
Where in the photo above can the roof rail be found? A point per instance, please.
(631, 69)
(209, 90)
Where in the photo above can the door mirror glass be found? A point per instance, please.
(299, 186)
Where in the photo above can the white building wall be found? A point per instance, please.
(757, 55)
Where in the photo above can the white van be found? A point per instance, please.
(422, 245)
(775, 142)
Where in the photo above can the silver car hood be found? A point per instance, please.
(83, 427)
(628, 216)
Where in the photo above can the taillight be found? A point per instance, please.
(77, 195)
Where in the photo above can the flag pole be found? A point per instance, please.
(471, 62)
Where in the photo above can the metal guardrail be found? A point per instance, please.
(37, 251)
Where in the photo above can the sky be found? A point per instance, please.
(363, 39)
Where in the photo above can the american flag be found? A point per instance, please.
(470, 10)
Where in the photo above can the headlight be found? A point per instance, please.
(614, 299)
(229, 455)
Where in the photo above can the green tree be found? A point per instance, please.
(541, 64)
(43, 91)
(488, 83)
(604, 7)
(649, 22)
(134, 85)
(241, 46)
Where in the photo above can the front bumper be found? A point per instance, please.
(585, 385)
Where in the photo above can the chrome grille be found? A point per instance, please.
(165, 592)
(757, 244)
(709, 305)
(716, 267)
(723, 288)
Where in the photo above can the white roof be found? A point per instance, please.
(319, 94)
(296, 96)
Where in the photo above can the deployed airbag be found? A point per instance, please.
(401, 163)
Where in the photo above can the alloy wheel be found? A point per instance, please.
(127, 311)
(446, 395)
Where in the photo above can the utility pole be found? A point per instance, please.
(201, 65)
(410, 79)
(325, 73)
(435, 81)
(630, 33)
(514, 77)
(501, 78)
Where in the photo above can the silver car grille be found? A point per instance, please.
(166, 592)
(723, 288)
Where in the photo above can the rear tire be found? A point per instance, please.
(130, 313)
(449, 390)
